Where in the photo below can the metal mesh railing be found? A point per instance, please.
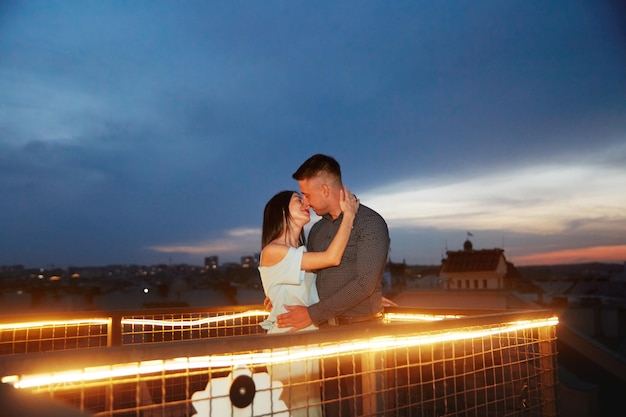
(156, 328)
(36, 336)
(28, 334)
(488, 365)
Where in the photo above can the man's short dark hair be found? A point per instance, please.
(316, 164)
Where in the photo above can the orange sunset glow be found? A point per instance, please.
(573, 256)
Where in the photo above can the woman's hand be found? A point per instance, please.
(348, 202)
(388, 303)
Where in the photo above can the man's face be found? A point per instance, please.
(314, 194)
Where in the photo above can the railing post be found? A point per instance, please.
(372, 382)
(548, 371)
(114, 337)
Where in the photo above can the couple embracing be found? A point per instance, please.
(333, 278)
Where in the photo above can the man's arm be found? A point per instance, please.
(298, 316)
(372, 250)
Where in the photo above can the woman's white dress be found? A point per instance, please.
(286, 284)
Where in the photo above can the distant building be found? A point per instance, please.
(86, 272)
(211, 262)
(249, 261)
(12, 270)
(468, 279)
(485, 269)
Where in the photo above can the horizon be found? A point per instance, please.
(238, 263)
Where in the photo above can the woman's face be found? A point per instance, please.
(298, 210)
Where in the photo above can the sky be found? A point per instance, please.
(147, 132)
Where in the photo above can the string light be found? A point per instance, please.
(273, 356)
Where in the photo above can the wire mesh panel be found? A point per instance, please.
(156, 328)
(34, 335)
(492, 375)
(487, 366)
(52, 335)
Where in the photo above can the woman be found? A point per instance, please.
(285, 268)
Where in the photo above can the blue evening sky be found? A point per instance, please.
(155, 131)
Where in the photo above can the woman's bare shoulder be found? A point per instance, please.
(273, 253)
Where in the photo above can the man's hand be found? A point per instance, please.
(297, 317)
(267, 304)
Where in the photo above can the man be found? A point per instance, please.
(351, 293)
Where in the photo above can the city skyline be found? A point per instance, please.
(155, 132)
